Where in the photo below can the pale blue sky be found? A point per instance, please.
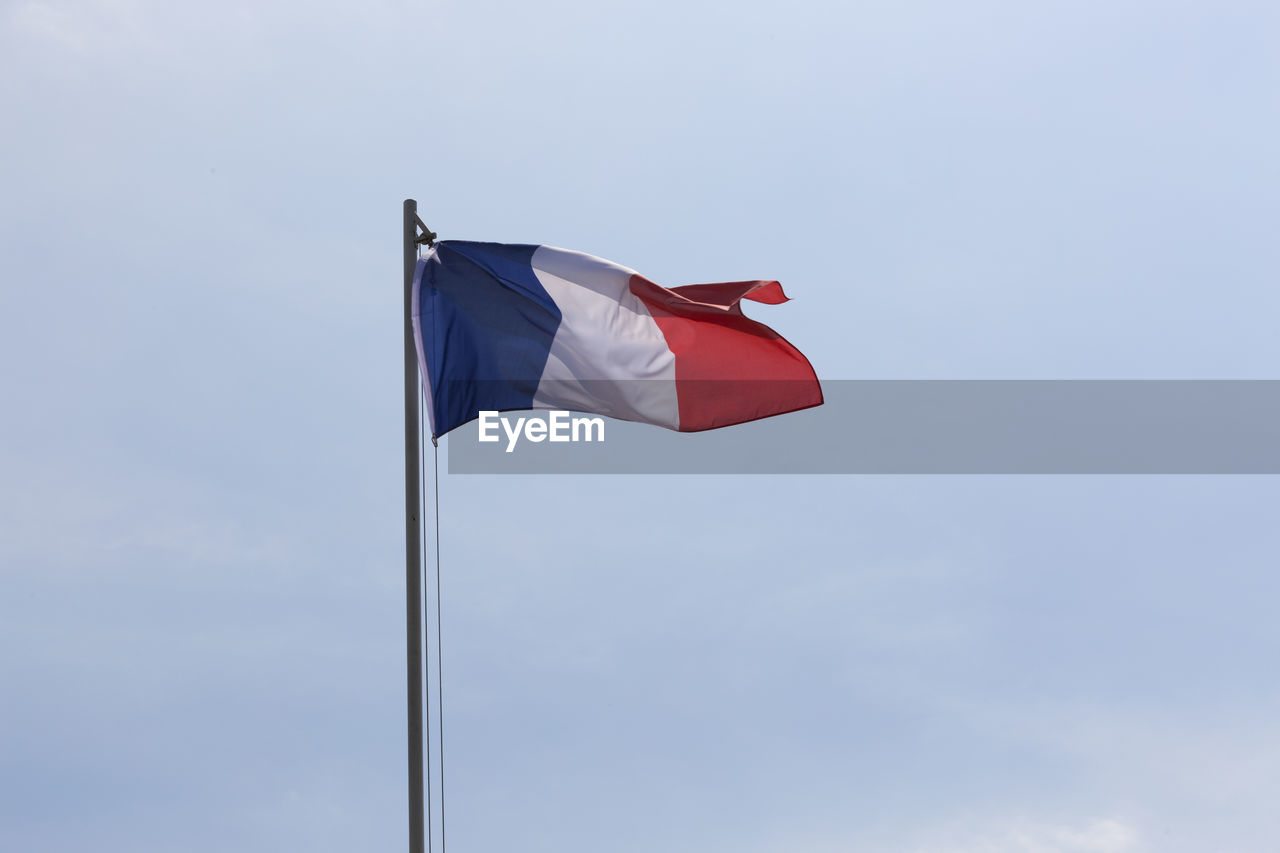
(201, 636)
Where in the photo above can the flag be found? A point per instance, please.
(502, 327)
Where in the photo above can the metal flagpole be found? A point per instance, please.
(412, 543)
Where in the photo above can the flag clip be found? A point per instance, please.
(427, 237)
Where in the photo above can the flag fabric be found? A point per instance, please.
(501, 327)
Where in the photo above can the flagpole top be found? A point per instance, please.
(423, 236)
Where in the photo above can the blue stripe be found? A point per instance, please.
(487, 326)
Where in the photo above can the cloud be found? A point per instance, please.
(80, 25)
(1094, 836)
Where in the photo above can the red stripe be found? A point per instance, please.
(729, 368)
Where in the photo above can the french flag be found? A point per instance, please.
(503, 327)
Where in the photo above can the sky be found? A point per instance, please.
(201, 493)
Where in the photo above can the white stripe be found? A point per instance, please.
(606, 333)
(415, 312)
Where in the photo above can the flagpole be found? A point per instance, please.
(412, 543)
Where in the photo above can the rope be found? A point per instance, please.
(426, 657)
(429, 239)
(435, 455)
